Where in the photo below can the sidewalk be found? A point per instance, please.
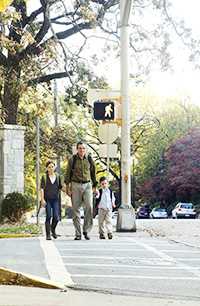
(20, 296)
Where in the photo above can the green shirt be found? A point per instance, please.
(84, 171)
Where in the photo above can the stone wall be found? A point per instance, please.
(11, 159)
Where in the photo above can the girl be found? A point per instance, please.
(50, 198)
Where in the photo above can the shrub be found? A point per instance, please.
(14, 205)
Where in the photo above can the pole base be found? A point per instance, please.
(126, 220)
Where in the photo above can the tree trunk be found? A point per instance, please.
(11, 94)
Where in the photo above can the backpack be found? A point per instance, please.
(89, 158)
(97, 201)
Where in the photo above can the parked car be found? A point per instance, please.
(143, 212)
(184, 210)
(158, 213)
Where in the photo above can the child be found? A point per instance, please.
(105, 202)
(50, 196)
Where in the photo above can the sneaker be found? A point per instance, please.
(101, 236)
(86, 236)
(110, 235)
(77, 238)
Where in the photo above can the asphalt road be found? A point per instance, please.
(133, 266)
(137, 264)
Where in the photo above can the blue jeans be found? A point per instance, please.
(52, 210)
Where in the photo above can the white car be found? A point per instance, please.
(184, 210)
(158, 213)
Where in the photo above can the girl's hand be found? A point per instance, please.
(43, 203)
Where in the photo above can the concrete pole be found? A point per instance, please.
(125, 6)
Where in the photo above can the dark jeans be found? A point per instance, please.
(52, 210)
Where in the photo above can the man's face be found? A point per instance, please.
(81, 150)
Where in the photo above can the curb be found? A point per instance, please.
(10, 277)
(7, 236)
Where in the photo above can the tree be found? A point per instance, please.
(33, 50)
(28, 47)
(180, 177)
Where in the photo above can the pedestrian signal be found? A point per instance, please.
(104, 110)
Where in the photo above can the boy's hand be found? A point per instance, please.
(113, 205)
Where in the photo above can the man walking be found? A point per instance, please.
(80, 179)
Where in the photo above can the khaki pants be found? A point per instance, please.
(105, 218)
(82, 196)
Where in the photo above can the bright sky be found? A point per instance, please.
(184, 81)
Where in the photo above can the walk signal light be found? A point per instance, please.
(104, 110)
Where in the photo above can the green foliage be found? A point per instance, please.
(14, 206)
(23, 230)
(174, 121)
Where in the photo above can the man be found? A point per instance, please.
(80, 179)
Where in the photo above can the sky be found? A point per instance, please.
(184, 80)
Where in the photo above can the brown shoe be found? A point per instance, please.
(101, 236)
(86, 236)
(77, 238)
(110, 235)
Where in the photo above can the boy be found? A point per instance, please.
(105, 202)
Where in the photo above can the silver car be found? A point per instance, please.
(158, 213)
(184, 210)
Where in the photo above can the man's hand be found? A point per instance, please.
(69, 192)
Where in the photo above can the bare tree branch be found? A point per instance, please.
(49, 77)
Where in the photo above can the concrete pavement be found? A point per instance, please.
(20, 296)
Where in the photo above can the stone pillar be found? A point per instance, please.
(11, 159)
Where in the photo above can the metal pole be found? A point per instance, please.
(37, 165)
(55, 102)
(125, 6)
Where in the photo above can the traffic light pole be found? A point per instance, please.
(126, 215)
(125, 7)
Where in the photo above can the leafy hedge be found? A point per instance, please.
(14, 205)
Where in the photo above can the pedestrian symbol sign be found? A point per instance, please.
(104, 110)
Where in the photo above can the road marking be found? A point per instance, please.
(54, 263)
(181, 251)
(168, 258)
(119, 276)
(157, 252)
(101, 250)
(109, 257)
(79, 264)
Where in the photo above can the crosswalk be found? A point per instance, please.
(148, 265)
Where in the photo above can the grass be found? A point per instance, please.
(20, 230)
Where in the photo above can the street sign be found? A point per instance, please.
(108, 132)
(104, 110)
(108, 149)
